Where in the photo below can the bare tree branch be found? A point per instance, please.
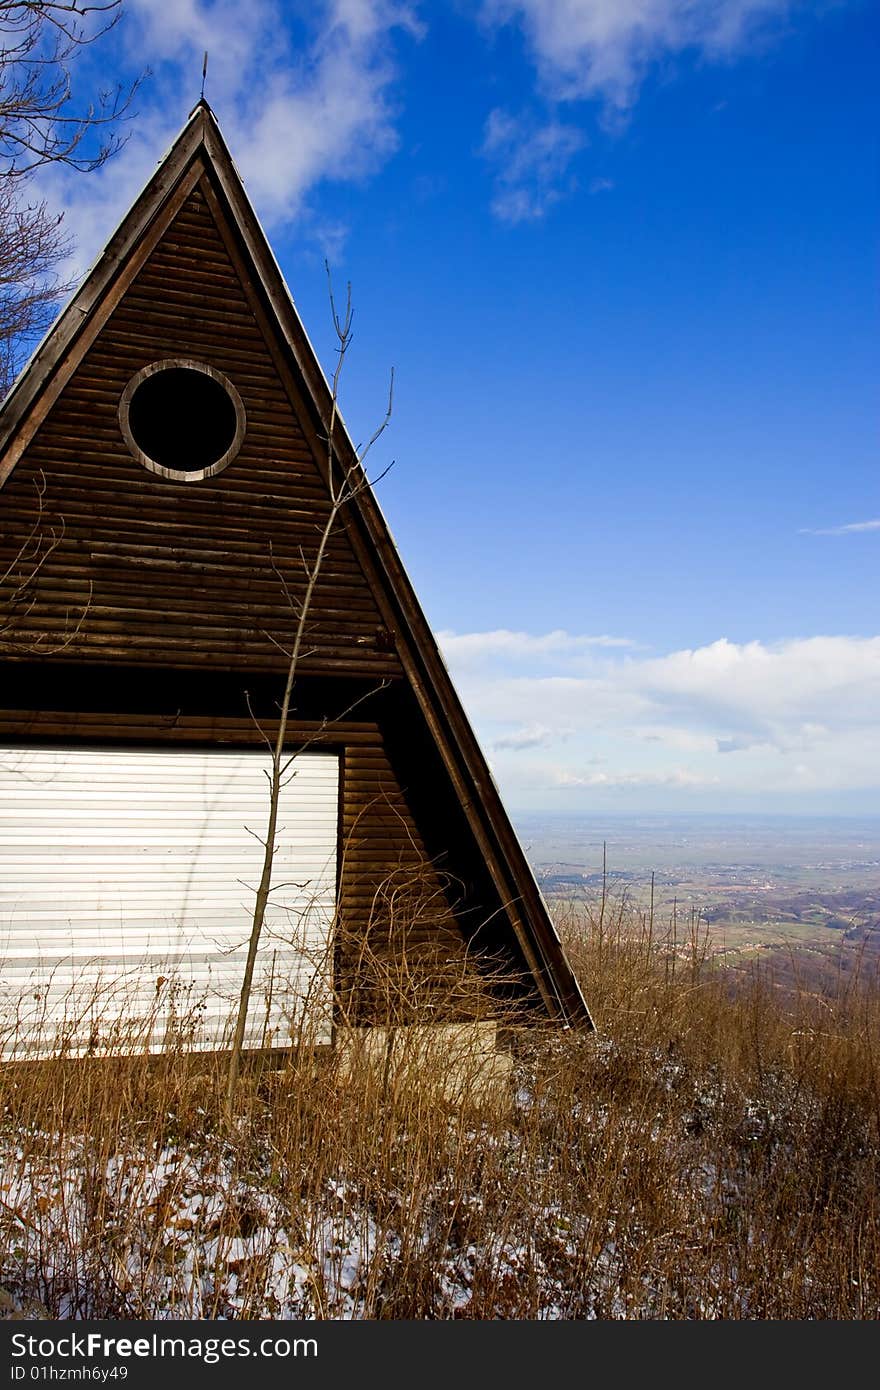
(32, 245)
(345, 482)
(41, 122)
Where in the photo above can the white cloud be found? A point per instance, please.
(853, 529)
(759, 687)
(677, 777)
(296, 108)
(794, 718)
(602, 49)
(530, 736)
(531, 160)
(501, 641)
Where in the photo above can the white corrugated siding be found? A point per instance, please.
(126, 893)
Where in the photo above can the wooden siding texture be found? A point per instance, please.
(112, 562)
(400, 950)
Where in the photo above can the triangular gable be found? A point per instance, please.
(159, 571)
(197, 179)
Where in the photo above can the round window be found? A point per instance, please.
(182, 419)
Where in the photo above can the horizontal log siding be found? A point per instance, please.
(401, 954)
(400, 949)
(139, 567)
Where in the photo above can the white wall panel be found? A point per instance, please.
(126, 891)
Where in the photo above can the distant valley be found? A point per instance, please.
(799, 895)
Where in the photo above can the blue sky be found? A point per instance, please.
(621, 255)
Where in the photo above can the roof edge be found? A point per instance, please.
(58, 348)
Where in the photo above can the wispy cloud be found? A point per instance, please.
(854, 528)
(531, 161)
(530, 736)
(299, 104)
(501, 641)
(677, 777)
(311, 93)
(602, 49)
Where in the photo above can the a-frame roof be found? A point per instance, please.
(200, 156)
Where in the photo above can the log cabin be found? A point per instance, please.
(166, 469)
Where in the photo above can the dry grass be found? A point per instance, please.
(707, 1153)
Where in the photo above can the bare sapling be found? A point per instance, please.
(345, 481)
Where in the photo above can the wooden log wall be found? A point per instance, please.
(109, 562)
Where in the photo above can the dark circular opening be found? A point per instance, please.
(182, 419)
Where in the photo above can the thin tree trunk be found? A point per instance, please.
(341, 493)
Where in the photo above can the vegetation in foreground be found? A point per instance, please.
(707, 1153)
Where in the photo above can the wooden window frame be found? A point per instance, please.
(195, 475)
